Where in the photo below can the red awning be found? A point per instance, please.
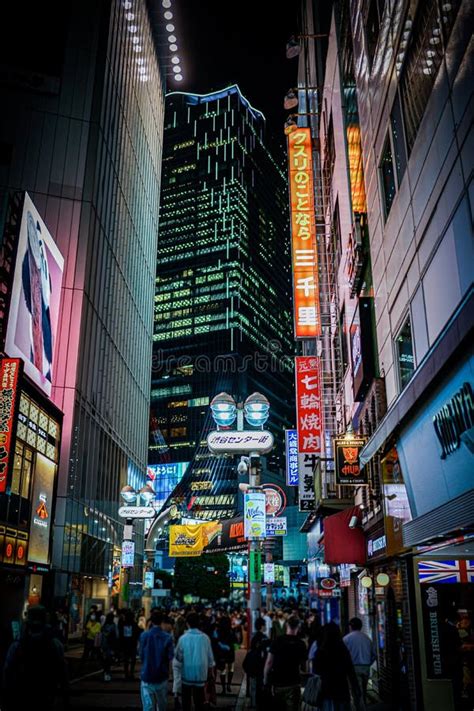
(341, 543)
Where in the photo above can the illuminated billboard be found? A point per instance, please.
(42, 505)
(164, 478)
(34, 305)
(303, 235)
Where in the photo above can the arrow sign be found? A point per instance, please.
(136, 512)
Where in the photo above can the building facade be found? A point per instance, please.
(222, 300)
(82, 133)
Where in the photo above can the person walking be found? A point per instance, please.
(284, 665)
(278, 625)
(109, 644)
(92, 640)
(35, 671)
(362, 651)
(254, 663)
(156, 654)
(178, 630)
(194, 653)
(333, 663)
(224, 651)
(129, 633)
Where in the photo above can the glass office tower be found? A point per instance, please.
(222, 302)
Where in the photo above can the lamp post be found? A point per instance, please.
(255, 410)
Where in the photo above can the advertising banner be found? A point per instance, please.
(10, 370)
(269, 573)
(255, 567)
(226, 535)
(254, 514)
(308, 404)
(303, 235)
(346, 454)
(186, 541)
(34, 305)
(41, 515)
(277, 526)
(291, 451)
(128, 554)
(306, 488)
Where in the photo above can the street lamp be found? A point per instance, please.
(147, 494)
(224, 410)
(256, 409)
(128, 494)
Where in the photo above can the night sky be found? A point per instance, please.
(229, 41)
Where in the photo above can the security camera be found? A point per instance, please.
(353, 522)
(242, 467)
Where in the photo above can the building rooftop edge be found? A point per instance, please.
(214, 95)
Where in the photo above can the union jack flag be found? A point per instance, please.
(446, 571)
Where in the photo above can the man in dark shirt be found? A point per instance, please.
(156, 653)
(287, 656)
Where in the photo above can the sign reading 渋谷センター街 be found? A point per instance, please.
(303, 235)
(10, 369)
(346, 453)
(240, 442)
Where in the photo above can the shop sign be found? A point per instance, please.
(432, 633)
(128, 554)
(275, 499)
(306, 490)
(136, 512)
(41, 517)
(361, 342)
(149, 580)
(344, 575)
(277, 526)
(327, 587)
(13, 546)
(244, 442)
(291, 450)
(269, 573)
(10, 370)
(303, 235)
(347, 450)
(255, 567)
(376, 546)
(453, 419)
(186, 541)
(254, 514)
(446, 571)
(308, 405)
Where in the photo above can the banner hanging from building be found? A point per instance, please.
(308, 404)
(186, 541)
(10, 369)
(254, 514)
(303, 235)
(346, 453)
(225, 536)
(291, 450)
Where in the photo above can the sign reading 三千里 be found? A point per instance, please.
(9, 376)
(291, 450)
(254, 514)
(346, 453)
(308, 404)
(303, 235)
(240, 442)
(128, 554)
(276, 526)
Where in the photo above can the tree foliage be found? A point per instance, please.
(205, 576)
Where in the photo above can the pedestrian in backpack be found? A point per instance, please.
(156, 654)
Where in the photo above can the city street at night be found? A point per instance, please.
(237, 355)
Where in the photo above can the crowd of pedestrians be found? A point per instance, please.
(194, 649)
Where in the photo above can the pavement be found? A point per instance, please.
(88, 689)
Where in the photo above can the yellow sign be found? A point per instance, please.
(186, 541)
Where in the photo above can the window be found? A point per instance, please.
(398, 139)
(427, 46)
(404, 353)
(372, 27)
(387, 175)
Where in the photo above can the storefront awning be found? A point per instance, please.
(341, 543)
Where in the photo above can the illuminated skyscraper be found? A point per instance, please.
(222, 303)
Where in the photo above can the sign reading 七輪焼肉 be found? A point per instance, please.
(254, 514)
(276, 526)
(240, 442)
(128, 554)
(306, 486)
(291, 450)
(308, 405)
(187, 541)
(346, 454)
(307, 312)
(10, 371)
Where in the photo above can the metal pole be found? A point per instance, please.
(124, 596)
(255, 596)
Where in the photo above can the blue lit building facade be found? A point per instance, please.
(222, 303)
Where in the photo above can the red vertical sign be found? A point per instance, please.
(9, 376)
(308, 404)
